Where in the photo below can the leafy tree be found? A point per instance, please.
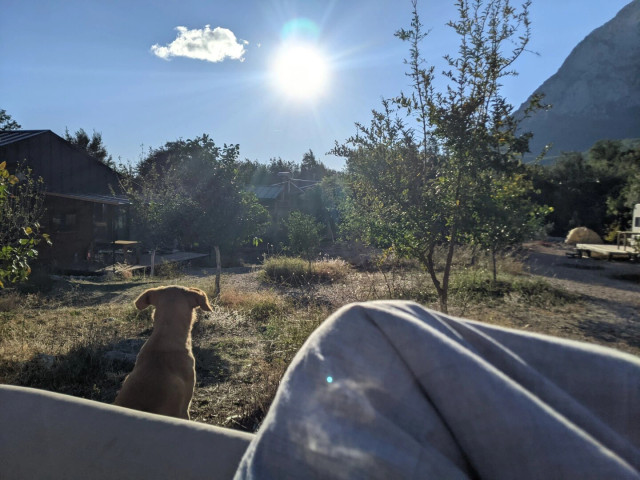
(508, 215)
(593, 189)
(278, 165)
(92, 145)
(304, 234)
(7, 123)
(21, 199)
(311, 168)
(417, 186)
(206, 198)
(160, 210)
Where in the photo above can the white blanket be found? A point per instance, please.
(393, 390)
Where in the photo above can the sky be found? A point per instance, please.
(277, 77)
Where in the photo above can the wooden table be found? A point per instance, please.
(125, 244)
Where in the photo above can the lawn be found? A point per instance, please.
(81, 336)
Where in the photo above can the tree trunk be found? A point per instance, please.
(153, 263)
(431, 269)
(218, 271)
(493, 263)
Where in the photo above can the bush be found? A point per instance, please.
(304, 234)
(287, 270)
(478, 286)
(9, 301)
(260, 306)
(330, 270)
(296, 272)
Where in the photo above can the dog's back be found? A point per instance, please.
(163, 378)
(161, 382)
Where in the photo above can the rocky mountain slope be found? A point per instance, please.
(596, 92)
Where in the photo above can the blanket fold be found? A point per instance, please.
(394, 390)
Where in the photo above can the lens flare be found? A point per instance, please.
(301, 71)
(302, 29)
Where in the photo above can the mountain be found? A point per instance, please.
(595, 94)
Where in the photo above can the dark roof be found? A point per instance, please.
(267, 192)
(108, 199)
(11, 136)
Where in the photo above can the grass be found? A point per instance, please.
(60, 340)
(298, 272)
(477, 285)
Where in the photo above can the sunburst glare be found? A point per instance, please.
(301, 71)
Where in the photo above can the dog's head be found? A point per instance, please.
(194, 297)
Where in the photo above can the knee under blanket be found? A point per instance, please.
(393, 390)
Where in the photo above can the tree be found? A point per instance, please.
(160, 210)
(304, 234)
(593, 189)
(417, 187)
(21, 199)
(508, 214)
(311, 168)
(92, 145)
(7, 123)
(203, 195)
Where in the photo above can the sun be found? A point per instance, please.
(301, 71)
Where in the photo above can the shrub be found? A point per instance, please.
(296, 272)
(304, 234)
(477, 285)
(286, 270)
(258, 305)
(330, 270)
(9, 301)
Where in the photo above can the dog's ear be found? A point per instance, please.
(144, 300)
(201, 299)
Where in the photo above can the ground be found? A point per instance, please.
(609, 312)
(81, 338)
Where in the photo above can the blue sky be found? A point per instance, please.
(119, 67)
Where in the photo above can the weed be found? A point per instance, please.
(285, 334)
(477, 285)
(9, 300)
(169, 270)
(296, 271)
(258, 305)
(286, 270)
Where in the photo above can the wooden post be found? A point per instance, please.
(153, 262)
(218, 271)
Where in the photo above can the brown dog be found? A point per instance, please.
(164, 376)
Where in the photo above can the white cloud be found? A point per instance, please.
(203, 44)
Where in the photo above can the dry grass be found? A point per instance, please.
(299, 272)
(64, 340)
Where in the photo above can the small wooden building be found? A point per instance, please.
(86, 209)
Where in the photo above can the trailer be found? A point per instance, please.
(627, 243)
(610, 251)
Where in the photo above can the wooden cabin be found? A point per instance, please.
(86, 209)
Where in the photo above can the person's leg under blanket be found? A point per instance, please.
(393, 390)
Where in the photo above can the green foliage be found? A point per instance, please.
(597, 189)
(188, 192)
(417, 188)
(286, 270)
(92, 145)
(296, 271)
(304, 234)
(477, 285)
(20, 211)
(507, 215)
(7, 123)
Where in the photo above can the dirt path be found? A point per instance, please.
(610, 292)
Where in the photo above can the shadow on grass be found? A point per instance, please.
(211, 368)
(83, 372)
(606, 332)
